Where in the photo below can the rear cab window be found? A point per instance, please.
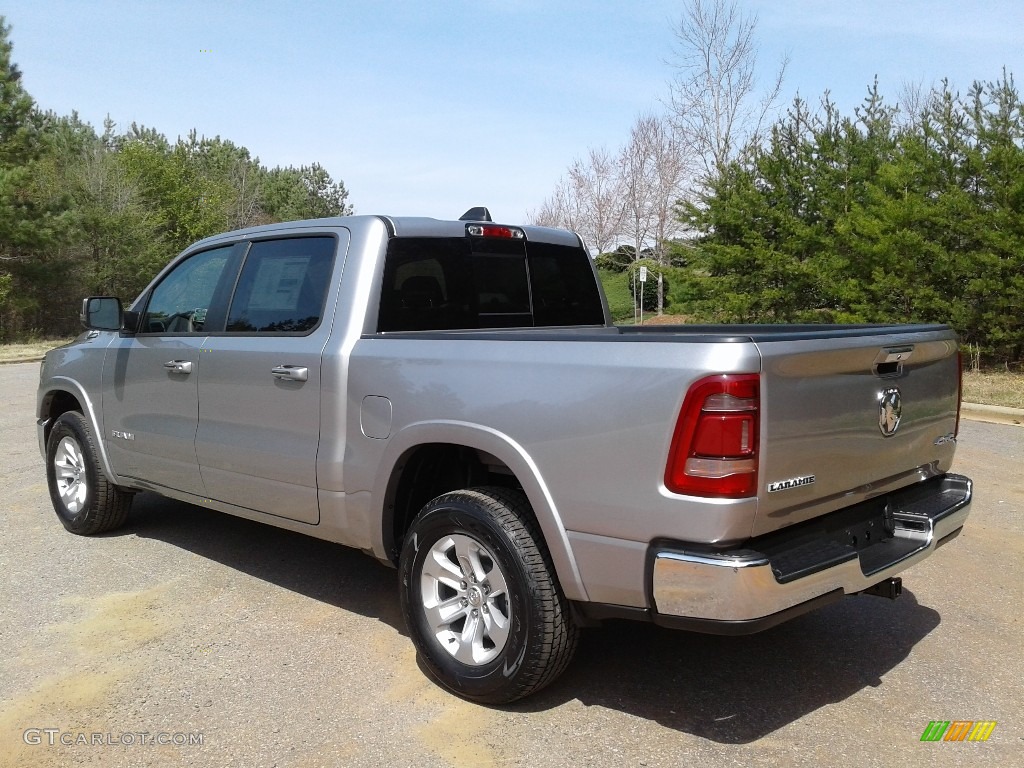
(454, 283)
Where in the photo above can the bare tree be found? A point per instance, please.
(546, 215)
(655, 170)
(245, 211)
(587, 200)
(714, 95)
(597, 186)
(915, 102)
(562, 209)
(673, 172)
(639, 180)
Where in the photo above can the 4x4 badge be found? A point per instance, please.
(890, 410)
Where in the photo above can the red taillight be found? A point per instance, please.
(495, 230)
(715, 446)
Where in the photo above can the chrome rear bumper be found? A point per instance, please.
(761, 588)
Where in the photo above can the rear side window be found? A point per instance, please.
(435, 283)
(282, 286)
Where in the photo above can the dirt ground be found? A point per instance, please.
(274, 649)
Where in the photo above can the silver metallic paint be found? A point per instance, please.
(585, 425)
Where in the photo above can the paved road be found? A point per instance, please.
(279, 650)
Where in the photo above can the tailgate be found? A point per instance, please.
(845, 419)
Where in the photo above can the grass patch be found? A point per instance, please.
(33, 350)
(620, 301)
(620, 298)
(994, 388)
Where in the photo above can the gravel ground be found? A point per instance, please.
(274, 649)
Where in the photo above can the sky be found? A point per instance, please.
(430, 107)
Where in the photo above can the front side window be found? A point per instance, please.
(282, 286)
(180, 302)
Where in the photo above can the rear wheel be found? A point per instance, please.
(84, 500)
(480, 597)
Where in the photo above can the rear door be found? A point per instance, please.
(260, 385)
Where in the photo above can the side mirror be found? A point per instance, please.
(102, 313)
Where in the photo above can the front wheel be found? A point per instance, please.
(480, 597)
(84, 500)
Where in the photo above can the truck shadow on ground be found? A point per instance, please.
(330, 573)
(731, 690)
(735, 690)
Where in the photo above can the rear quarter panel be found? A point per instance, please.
(594, 417)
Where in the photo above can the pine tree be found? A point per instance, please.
(27, 227)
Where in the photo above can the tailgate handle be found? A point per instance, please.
(291, 372)
(890, 360)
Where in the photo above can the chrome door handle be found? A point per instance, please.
(291, 372)
(179, 366)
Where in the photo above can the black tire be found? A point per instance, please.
(85, 501)
(472, 557)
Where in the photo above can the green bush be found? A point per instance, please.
(616, 288)
(617, 260)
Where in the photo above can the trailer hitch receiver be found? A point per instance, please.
(890, 588)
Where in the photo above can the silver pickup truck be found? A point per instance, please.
(452, 398)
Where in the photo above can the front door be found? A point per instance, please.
(150, 380)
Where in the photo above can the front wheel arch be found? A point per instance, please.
(54, 405)
(85, 501)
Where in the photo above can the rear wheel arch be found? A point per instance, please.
(484, 458)
(429, 470)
